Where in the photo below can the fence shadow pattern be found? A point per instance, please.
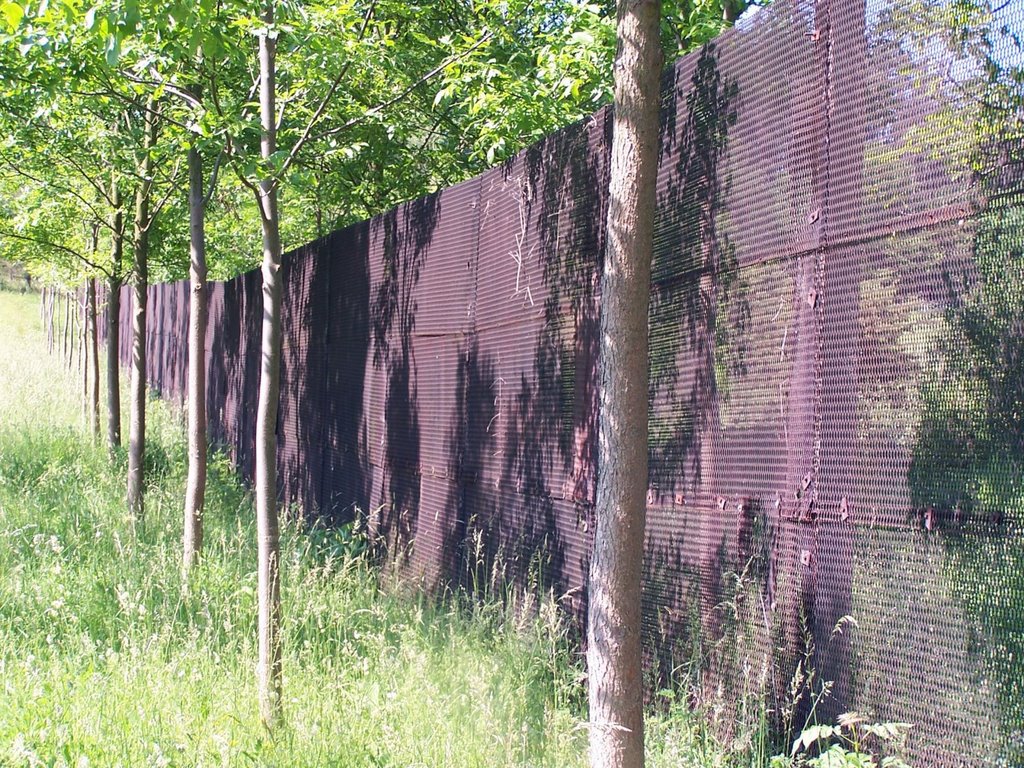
(836, 398)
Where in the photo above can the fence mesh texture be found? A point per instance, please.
(837, 372)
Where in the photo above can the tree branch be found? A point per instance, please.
(171, 189)
(318, 113)
(54, 246)
(44, 183)
(398, 97)
(213, 177)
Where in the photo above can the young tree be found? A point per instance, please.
(92, 341)
(115, 278)
(144, 217)
(269, 573)
(195, 489)
(613, 621)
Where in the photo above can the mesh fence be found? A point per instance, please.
(837, 372)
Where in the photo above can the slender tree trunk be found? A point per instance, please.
(140, 286)
(93, 356)
(195, 490)
(268, 666)
(51, 337)
(83, 359)
(613, 622)
(114, 320)
(114, 361)
(44, 313)
(75, 338)
(80, 323)
(269, 581)
(65, 338)
(70, 322)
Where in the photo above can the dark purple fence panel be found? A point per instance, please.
(837, 405)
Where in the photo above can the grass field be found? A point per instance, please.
(105, 660)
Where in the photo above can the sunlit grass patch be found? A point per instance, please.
(106, 660)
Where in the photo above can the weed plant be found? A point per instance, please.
(106, 660)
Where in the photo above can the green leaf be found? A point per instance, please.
(887, 731)
(582, 38)
(13, 14)
(112, 50)
(813, 735)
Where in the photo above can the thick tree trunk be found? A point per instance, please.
(93, 356)
(140, 287)
(195, 490)
(613, 622)
(269, 581)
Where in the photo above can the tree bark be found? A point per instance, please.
(140, 286)
(269, 575)
(65, 338)
(83, 359)
(195, 490)
(113, 363)
(613, 622)
(93, 355)
(83, 326)
(49, 320)
(75, 337)
(114, 322)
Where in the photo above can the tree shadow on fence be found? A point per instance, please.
(407, 233)
(524, 459)
(698, 318)
(468, 555)
(343, 263)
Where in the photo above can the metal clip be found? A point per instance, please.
(807, 515)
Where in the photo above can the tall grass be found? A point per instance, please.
(106, 660)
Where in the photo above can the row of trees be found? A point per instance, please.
(123, 120)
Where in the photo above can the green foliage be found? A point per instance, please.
(106, 660)
(105, 657)
(392, 99)
(968, 455)
(853, 742)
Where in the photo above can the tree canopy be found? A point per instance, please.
(379, 102)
